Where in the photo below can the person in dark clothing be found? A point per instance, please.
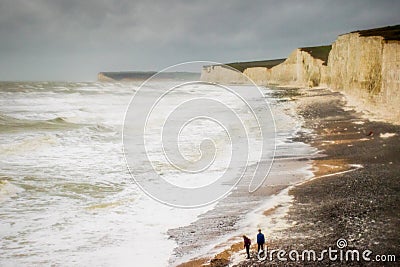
(260, 241)
(247, 243)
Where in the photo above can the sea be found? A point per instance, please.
(67, 194)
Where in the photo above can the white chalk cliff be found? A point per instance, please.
(364, 65)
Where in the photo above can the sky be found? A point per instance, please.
(75, 39)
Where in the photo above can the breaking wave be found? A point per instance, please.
(11, 124)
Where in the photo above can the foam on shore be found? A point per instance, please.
(267, 207)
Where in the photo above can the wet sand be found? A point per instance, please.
(354, 194)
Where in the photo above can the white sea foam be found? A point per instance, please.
(80, 206)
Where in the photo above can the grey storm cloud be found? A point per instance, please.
(73, 40)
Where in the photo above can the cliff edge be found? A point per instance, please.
(364, 65)
(231, 73)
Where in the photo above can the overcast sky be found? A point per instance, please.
(75, 39)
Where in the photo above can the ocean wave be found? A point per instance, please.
(12, 124)
(81, 88)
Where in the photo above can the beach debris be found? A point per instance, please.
(371, 133)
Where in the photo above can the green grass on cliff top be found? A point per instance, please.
(389, 33)
(241, 66)
(320, 52)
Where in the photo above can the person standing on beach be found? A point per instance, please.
(260, 241)
(247, 243)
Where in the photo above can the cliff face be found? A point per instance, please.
(231, 73)
(301, 68)
(260, 75)
(391, 76)
(222, 74)
(355, 64)
(102, 77)
(364, 65)
(367, 69)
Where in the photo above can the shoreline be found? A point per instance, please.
(292, 165)
(228, 256)
(336, 202)
(214, 229)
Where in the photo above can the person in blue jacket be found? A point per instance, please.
(260, 241)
